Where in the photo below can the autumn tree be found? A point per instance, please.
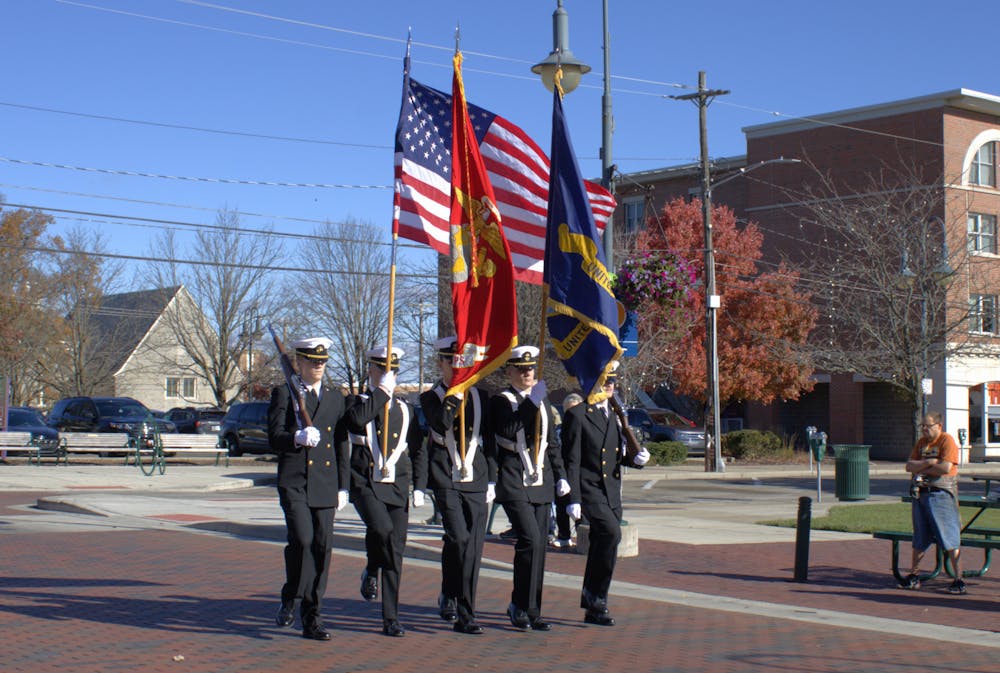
(763, 322)
(26, 322)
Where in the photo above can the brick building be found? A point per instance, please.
(952, 139)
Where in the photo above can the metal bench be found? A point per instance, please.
(172, 444)
(21, 442)
(987, 544)
(101, 443)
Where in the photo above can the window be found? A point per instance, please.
(982, 233)
(635, 210)
(983, 313)
(178, 387)
(982, 170)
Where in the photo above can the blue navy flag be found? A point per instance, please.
(582, 314)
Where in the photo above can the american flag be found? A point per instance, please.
(518, 170)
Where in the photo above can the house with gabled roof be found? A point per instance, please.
(136, 349)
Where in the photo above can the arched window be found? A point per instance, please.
(980, 166)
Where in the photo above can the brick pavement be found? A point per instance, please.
(134, 599)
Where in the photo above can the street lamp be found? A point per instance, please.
(573, 70)
(251, 331)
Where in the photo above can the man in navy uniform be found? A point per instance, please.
(313, 478)
(380, 481)
(527, 482)
(594, 451)
(463, 487)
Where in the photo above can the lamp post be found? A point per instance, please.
(251, 328)
(573, 70)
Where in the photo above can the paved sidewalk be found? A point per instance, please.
(125, 572)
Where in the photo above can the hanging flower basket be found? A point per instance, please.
(662, 278)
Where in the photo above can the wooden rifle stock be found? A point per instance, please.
(632, 446)
(293, 382)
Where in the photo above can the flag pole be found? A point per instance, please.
(384, 448)
(464, 471)
(542, 331)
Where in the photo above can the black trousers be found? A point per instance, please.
(463, 514)
(531, 524)
(605, 534)
(385, 542)
(307, 554)
(564, 528)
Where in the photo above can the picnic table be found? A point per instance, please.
(983, 538)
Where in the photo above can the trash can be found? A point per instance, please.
(851, 471)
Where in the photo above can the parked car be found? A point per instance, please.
(104, 414)
(666, 426)
(244, 428)
(26, 419)
(197, 420)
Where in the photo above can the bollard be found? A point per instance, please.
(802, 528)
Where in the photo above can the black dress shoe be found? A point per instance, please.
(447, 608)
(539, 624)
(518, 617)
(286, 615)
(589, 601)
(392, 627)
(369, 585)
(471, 628)
(315, 632)
(599, 617)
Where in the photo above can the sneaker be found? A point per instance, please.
(563, 543)
(911, 582)
(957, 587)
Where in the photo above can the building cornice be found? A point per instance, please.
(963, 99)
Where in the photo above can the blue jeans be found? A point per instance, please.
(936, 519)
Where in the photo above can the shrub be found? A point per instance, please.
(754, 445)
(667, 453)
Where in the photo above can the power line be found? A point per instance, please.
(228, 181)
(198, 262)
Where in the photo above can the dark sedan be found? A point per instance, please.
(26, 419)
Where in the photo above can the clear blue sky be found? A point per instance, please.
(330, 72)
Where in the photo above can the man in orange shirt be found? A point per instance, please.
(934, 486)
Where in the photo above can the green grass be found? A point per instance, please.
(869, 518)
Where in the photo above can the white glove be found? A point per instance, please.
(642, 457)
(388, 382)
(562, 487)
(342, 500)
(308, 436)
(573, 510)
(537, 394)
(418, 498)
(491, 493)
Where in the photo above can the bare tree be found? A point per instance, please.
(891, 275)
(83, 358)
(227, 274)
(346, 294)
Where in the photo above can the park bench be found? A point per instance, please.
(172, 444)
(969, 539)
(21, 442)
(101, 443)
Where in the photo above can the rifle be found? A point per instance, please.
(293, 381)
(632, 446)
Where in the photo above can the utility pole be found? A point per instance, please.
(607, 129)
(713, 459)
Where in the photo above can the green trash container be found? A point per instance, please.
(851, 471)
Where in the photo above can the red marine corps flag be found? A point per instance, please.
(482, 274)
